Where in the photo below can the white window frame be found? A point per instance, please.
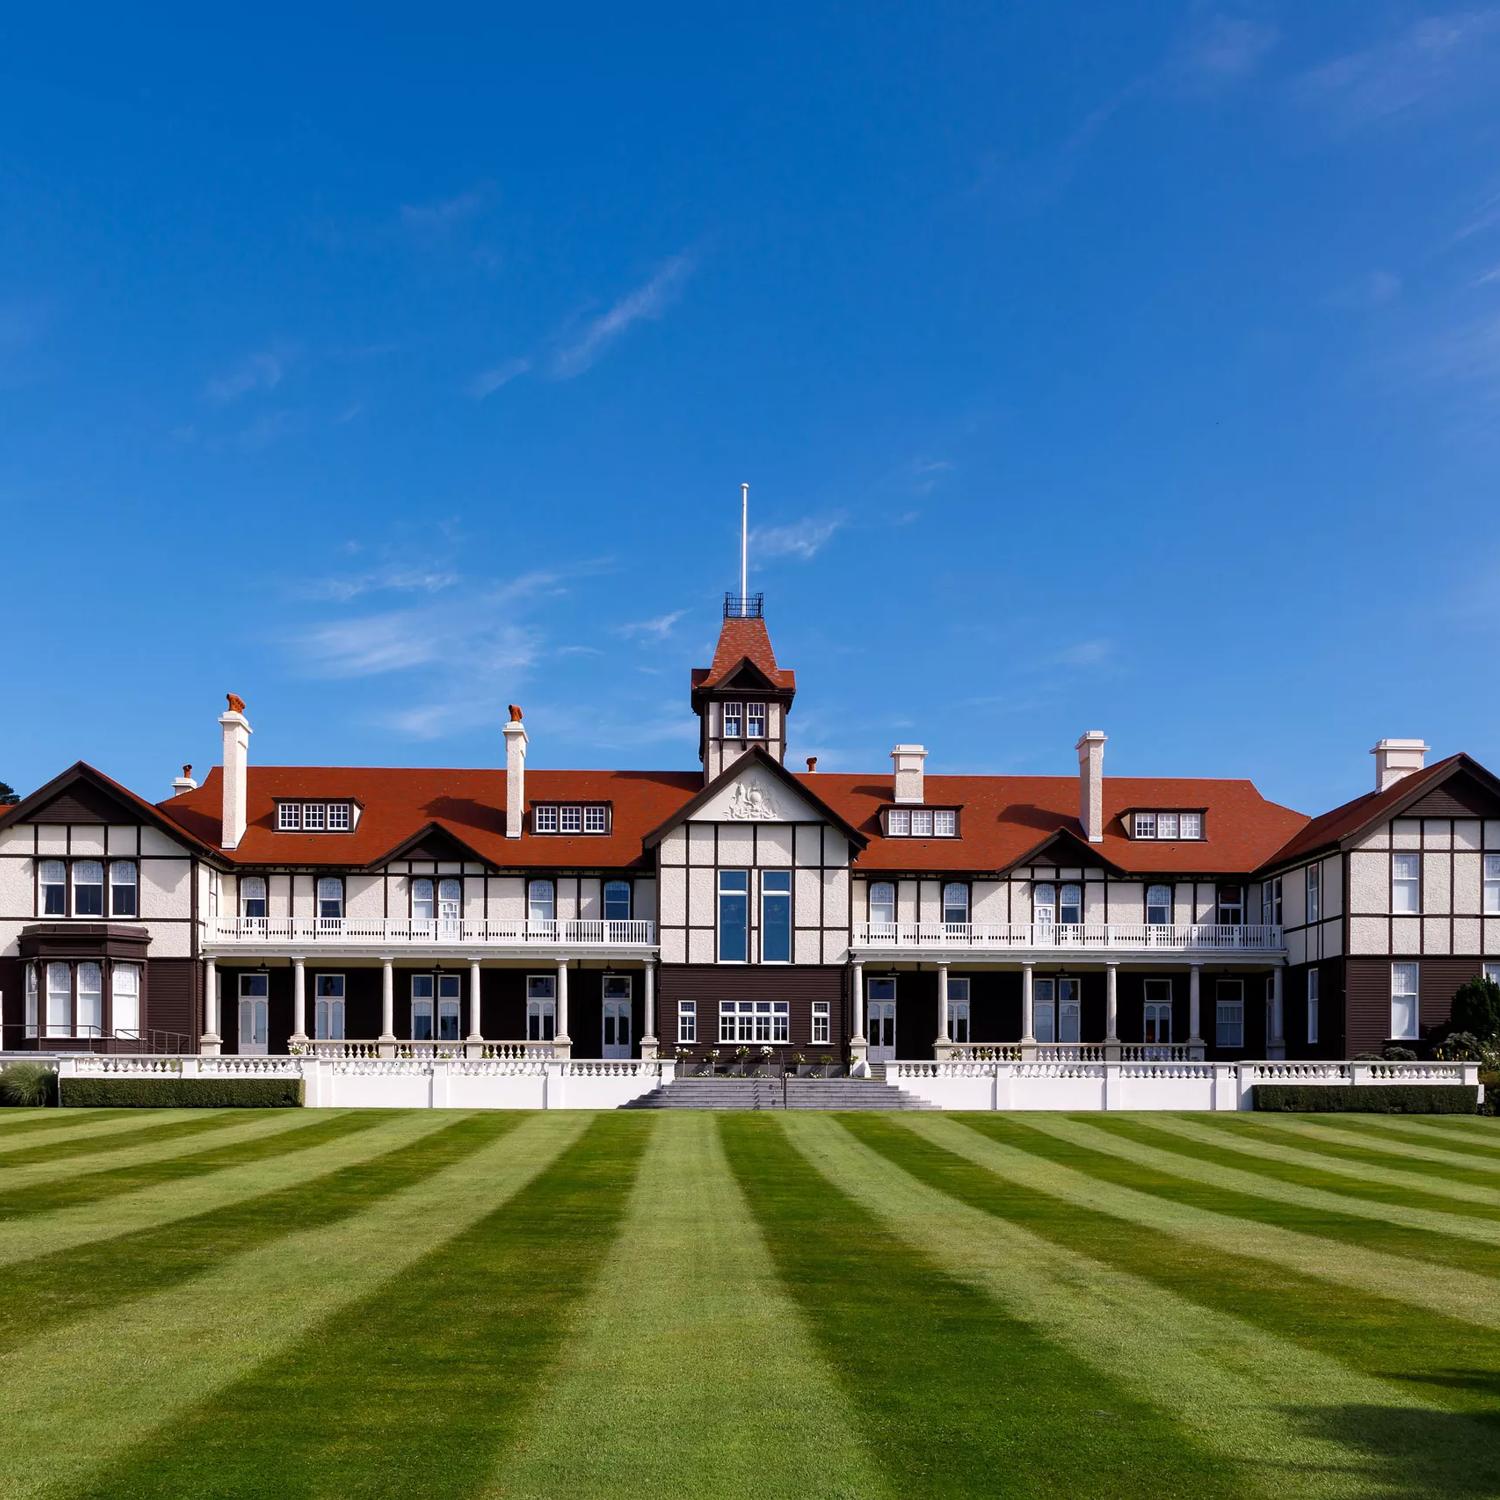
(1270, 901)
(570, 818)
(822, 1023)
(1229, 1014)
(1190, 826)
(1313, 901)
(755, 721)
(1491, 906)
(595, 817)
(1070, 899)
(79, 884)
(314, 817)
(1230, 913)
(541, 1007)
(329, 1012)
(687, 1023)
(898, 822)
(955, 903)
(59, 869)
(253, 888)
(544, 818)
(1044, 903)
(1163, 906)
(133, 885)
(1314, 999)
(125, 984)
(1492, 973)
(769, 893)
(744, 894)
(1406, 889)
(324, 894)
(877, 905)
(604, 903)
(1166, 826)
(424, 899)
(1156, 1006)
(340, 817)
(541, 902)
(289, 817)
(755, 1022)
(32, 1016)
(734, 721)
(944, 823)
(1044, 1008)
(921, 822)
(59, 986)
(960, 1013)
(450, 1005)
(1144, 825)
(88, 1022)
(1406, 991)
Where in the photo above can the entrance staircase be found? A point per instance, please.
(778, 1093)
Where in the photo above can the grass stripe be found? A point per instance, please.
(435, 1394)
(267, 1135)
(1433, 1218)
(123, 1135)
(1059, 1170)
(954, 1394)
(88, 1400)
(1275, 1133)
(81, 1280)
(688, 1365)
(18, 1126)
(1375, 1135)
(1279, 1416)
(1263, 1276)
(1120, 1150)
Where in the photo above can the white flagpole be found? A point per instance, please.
(744, 549)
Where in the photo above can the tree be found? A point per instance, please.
(8, 797)
(1476, 1009)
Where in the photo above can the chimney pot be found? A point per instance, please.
(907, 761)
(183, 783)
(515, 773)
(1090, 749)
(1397, 758)
(812, 762)
(236, 729)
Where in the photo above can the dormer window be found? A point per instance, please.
(734, 721)
(570, 817)
(755, 721)
(921, 822)
(314, 817)
(1173, 826)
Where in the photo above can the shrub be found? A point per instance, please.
(28, 1085)
(1371, 1099)
(1393, 1053)
(181, 1093)
(1476, 1009)
(1460, 1046)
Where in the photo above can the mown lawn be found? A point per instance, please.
(363, 1303)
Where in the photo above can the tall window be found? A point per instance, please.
(89, 1018)
(1492, 885)
(755, 721)
(1231, 905)
(59, 999)
(1312, 1005)
(32, 1000)
(734, 721)
(958, 1009)
(434, 1007)
(125, 1000)
(541, 902)
(1158, 1012)
(1314, 893)
(88, 888)
(1069, 1011)
(1229, 1014)
(882, 903)
(423, 907)
(687, 1023)
(541, 1007)
(1270, 901)
(1406, 883)
(122, 889)
(1044, 904)
(328, 1007)
(330, 899)
(1158, 906)
(955, 902)
(1044, 1010)
(1405, 1002)
(776, 916)
(821, 1023)
(734, 916)
(1070, 905)
(253, 897)
(54, 883)
(616, 900)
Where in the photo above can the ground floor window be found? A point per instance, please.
(125, 1000)
(958, 1010)
(1056, 1013)
(1312, 1005)
(75, 999)
(754, 1021)
(1405, 1001)
(434, 1007)
(822, 1025)
(541, 1007)
(1229, 1014)
(254, 1012)
(687, 1022)
(1157, 1026)
(328, 1007)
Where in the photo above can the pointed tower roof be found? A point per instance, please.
(743, 638)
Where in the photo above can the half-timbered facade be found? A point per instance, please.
(744, 906)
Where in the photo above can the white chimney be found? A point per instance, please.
(907, 760)
(1397, 758)
(184, 783)
(515, 773)
(1090, 749)
(236, 770)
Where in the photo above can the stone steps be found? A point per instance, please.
(767, 1093)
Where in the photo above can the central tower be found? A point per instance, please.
(742, 698)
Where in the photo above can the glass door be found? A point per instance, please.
(254, 1029)
(450, 910)
(880, 1020)
(615, 1042)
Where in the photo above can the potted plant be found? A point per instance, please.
(742, 1054)
(713, 1061)
(827, 1065)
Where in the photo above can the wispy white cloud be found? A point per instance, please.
(256, 372)
(800, 539)
(1370, 289)
(368, 646)
(487, 382)
(395, 579)
(1487, 278)
(646, 302)
(444, 214)
(655, 629)
(1082, 654)
(1434, 59)
(1221, 49)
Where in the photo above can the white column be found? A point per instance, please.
(299, 1000)
(649, 1041)
(563, 1040)
(857, 978)
(1276, 1041)
(942, 1035)
(211, 1041)
(387, 1000)
(1111, 1003)
(1195, 1017)
(476, 1034)
(1028, 1014)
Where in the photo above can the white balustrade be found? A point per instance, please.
(584, 932)
(1071, 937)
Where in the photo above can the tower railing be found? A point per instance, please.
(743, 606)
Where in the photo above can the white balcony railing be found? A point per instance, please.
(581, 932)
(1213, 937)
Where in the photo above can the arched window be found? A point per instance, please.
(253, 897)
(421, 901)
(882, 904)
(1070, 908)
(1158, 906)
(1044, 903)
(955, 902)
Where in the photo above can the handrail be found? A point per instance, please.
(1216, 937)
(579, 931)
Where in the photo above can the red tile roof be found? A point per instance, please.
(741, 639)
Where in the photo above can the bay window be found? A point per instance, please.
(88, 1015)
(31, 1028)
(734, 916)
(59, 999)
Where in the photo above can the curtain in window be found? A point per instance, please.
(125, 1000)
(90, 1020)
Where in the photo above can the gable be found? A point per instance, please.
(84, 802)
(1065, 848)
(1460, 796)
(754, 794)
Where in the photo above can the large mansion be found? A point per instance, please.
(745, 904)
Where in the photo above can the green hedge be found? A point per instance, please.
(181, 1093)
(1369, 1099)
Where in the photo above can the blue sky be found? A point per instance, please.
(1132, 367)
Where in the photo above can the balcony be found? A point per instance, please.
(352, 932)
(1118, 939)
